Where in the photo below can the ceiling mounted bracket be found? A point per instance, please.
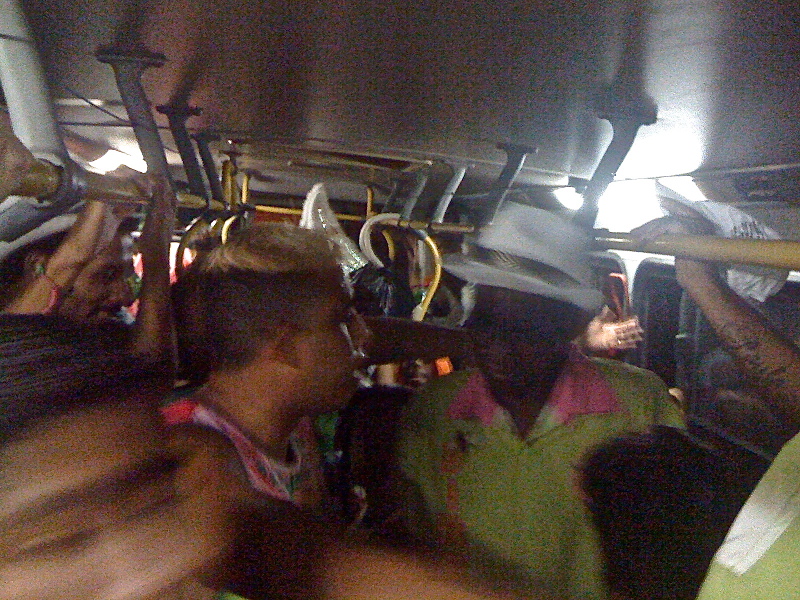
(128, 65)
(515, 158)
(626, 114)
(447, 195)
(202, 140)
(410, 187)
(178, 114)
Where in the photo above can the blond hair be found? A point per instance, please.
(272, 248)
(235, 297)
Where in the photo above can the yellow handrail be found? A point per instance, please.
(437, 277)
(780, 254)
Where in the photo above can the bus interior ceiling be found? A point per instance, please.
(391, 100)
(363, 92)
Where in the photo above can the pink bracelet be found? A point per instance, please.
(55, 294)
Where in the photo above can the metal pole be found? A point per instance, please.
(780, 254)
(25, 87)
(30, 107)
(515, 159)
(210, 168)
(419, 182)
(178, 115)
(626, 114)
(128, 67)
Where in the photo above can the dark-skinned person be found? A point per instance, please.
(266, 327)
(492, 450)
(97, 504)
(665, 502)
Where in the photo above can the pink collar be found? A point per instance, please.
(582, 390)
(579, 390)
(268, 476)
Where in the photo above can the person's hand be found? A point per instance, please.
(672, 225)
(142, 183)
(606, 332)
(687, 271)
(15, 159)
(158, 225)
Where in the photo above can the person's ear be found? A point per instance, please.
(288, 347)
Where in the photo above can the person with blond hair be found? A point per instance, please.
(267, 329)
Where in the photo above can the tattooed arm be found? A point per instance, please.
(771, 361)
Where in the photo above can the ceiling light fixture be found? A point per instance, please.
(114, 159)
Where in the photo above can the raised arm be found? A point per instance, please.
(768, 358)
(153, 336)
(84, 239)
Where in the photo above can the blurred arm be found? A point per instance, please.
(300, 560)
(363, 573)
(153, 335)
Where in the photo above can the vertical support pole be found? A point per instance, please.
(230, 189)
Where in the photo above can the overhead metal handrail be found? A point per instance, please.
(45, 178)
(780, 254)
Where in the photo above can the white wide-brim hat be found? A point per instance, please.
(530, 250)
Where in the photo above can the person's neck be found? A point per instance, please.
(525, 392)
(256, 404)
(524, 408)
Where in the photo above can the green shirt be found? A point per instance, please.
(760, 558)
(516, 501)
